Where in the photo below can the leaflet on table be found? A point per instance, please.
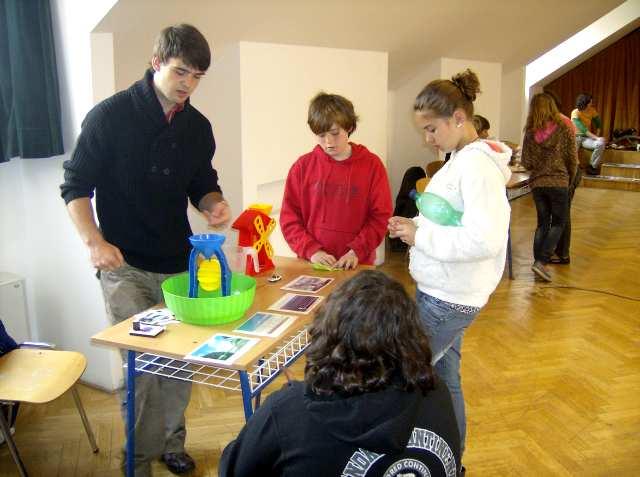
(267, 324)
(295, 303)
(156, 316)
(221, 349)
(307, 284)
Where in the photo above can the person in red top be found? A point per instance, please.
(337, 199)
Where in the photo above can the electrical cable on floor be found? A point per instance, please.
(593, 290)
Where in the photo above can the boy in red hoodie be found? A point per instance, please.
(336, 200)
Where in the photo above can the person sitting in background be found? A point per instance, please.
(336, 199)
(585, 117)
(405, 205)
(482, 126)
(549, 152)
(10, 412)
(369, 403)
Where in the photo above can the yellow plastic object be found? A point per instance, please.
(263, 240)
(209, 274)
(264, 208)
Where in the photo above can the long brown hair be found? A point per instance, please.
(542, 109)
(366, 337)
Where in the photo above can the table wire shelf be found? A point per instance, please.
(517, 192)
(259, 374)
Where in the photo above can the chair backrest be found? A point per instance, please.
(421, 184)
(434, 167)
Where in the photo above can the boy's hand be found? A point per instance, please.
(323, 258)
(402, 228)
(348, 261)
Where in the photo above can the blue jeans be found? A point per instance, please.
(445, 327)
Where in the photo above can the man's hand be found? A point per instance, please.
(323, 258)
(348, 261)
(105, 256)
(219, 214)
(402, 228)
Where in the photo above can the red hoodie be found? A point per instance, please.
(336, 205)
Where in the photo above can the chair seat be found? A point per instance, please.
(38, 376)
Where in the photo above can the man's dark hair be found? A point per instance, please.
(367, 337)
(583, 100)
(184, 42)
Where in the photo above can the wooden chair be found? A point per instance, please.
(38, 376)
(434, 167)
(421, 184)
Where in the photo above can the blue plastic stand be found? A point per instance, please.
(208, 245)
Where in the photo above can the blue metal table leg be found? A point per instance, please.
(509, 258)
(246, 394)
(131, 411)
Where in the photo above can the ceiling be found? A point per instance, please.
(413, 32)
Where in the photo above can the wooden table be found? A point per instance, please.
(249, 374)
(518, 186)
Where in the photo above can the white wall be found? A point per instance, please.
(488, 103)
(407, 144)
(38, 240)
(274, 112)
(514, 107)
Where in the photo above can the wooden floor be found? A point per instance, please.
(551, 373)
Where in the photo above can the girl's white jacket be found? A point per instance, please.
(464, 264)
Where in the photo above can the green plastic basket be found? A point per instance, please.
(210, 308)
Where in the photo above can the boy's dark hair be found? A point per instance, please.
(325, 110)
(185, 42)
(442, 97)
(367, 337)
(481, 123)
(583, 100)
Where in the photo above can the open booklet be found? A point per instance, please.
(221, 349)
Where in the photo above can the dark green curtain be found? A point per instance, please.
(30, 124)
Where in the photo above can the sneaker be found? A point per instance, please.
(592, 171)
(540, 270)
(178, 463)
(560, 260)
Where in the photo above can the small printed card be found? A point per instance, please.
(265, 324)
(158, 317)
(292, 302)
(140, 329)
(307, 283)
(221, 349)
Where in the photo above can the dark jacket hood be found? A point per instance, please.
(377, 421)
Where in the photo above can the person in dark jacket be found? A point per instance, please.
(146, 152)
(10, 412)
(370, 404)
(405, 205)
